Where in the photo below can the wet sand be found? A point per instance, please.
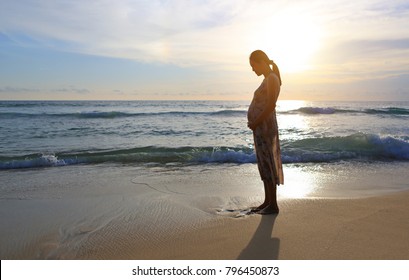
(124, 212)
(312, 229)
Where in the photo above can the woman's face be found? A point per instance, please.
(256, 67)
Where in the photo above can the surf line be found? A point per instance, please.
(153, 188)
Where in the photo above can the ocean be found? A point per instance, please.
(54, 134)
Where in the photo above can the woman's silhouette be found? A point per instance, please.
(263, 122)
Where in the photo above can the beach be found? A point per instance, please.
(176, 180)
(346, 229)
(200, 212)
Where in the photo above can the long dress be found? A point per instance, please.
(266, 141)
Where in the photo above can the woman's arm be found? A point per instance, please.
(273, 90)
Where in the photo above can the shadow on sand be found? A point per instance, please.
(262, 246)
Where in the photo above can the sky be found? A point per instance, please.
(199, 50)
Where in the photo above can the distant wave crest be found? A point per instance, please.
(332, 110)
(388, 111)
(118, 114)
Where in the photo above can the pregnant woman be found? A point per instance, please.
(263, 122)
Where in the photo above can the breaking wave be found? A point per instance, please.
(360, 146)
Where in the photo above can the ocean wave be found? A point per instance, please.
(392, 111)
(32, 161)
(78, 115)
(119, 114)
(388, 111)
(318, 111)
(360, 146)
(229, 113)
(160, 155)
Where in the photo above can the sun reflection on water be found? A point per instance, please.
(298, 183)
(294, 126)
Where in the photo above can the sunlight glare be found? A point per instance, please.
(290, 123)
(293, 41)
(299, 183)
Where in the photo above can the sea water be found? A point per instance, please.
(54, 134)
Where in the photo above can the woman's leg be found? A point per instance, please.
(266, 199)
(271, 197)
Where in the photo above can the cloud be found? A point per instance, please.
(64, 90)
(180, 32)
(379, 58)
(355, 40)
(359, 50)
(143, 30)
(8, 89)
(71, 89)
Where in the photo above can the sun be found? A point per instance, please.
(291, 40)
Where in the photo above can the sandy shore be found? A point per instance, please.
(126, 213)
(370, 228)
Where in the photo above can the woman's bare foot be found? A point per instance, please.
(260, 207)
(270, 209)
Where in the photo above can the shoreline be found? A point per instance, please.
(128, 212)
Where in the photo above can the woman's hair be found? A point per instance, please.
(259, 56)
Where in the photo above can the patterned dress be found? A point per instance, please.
(266, 140)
